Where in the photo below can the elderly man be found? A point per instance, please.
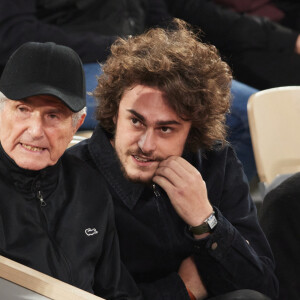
(55, 216)
(185, 219)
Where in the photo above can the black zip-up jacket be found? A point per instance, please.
(60, 221)
(154, 240)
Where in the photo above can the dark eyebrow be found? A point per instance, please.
(139, 116)
(160, 123)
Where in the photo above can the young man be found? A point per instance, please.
(50, 219)
(186, 223)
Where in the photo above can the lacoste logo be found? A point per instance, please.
(90, 231)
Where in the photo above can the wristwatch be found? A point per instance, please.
(207, 226)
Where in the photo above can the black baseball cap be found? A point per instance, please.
(45, 69)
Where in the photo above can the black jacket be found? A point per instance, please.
(154, 239)
(60, 221)
(233, 32)
(280, 221)
(87, 26)
(260, 52)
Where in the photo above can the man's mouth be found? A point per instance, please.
(32, 148)
(142, 159)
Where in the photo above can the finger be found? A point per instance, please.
(188, 182)
(170, 173)
(164, 183)
(185, 167)
(186, 174)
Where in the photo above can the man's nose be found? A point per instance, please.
(36, 128)
(147, 141)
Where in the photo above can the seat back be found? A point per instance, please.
(80, 136)
(274, 121)
(18, 281)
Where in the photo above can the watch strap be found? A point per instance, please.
(206, 226)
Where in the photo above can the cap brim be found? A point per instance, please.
(18, 92)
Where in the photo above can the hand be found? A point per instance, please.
(191, 278)
(185, 188)
(297, 47)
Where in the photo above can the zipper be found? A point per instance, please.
(56, 246)
(155, 190)
(157, 197)
(160, 205)
(40, 197)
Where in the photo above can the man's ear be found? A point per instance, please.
(80, 122)
(115, 118)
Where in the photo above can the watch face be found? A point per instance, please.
(212, 221)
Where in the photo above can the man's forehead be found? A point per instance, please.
(149, 104)
(144, 93)
(157, 119)
(49, 100)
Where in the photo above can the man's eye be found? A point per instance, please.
(166, 129)
(53, 116)
(135, 121)
(22, 109)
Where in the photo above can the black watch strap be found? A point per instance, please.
(207, 226)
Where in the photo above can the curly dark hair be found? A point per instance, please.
(191, 75)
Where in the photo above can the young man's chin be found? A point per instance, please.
(139, 177)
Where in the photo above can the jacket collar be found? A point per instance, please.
(28, 181)
(104, 156)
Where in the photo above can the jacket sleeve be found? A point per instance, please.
(236, 255)
(19, 24)
(233, 32)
